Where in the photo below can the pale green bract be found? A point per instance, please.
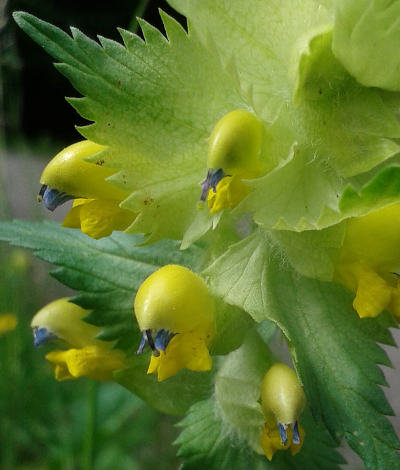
(367, 40)
(327, 98)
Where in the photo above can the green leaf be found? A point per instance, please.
(237, 276)
(366, 40)
(220, 434)
(237, 389)
(351, 127)
(312, 253)
(173, 396)
(332, 130)
(335, 353)
(107, 274)
(310, 200)
(381, 190)
(260, 37)
(232, 326)
(154, 104)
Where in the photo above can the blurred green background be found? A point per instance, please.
(45, 424)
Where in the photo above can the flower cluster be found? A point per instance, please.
(279, 169)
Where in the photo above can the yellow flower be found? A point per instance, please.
(176, 315)
(70, 176)
(90, 361)
(233, 154)
(282, 401)
(98, 218)
(368, 261)
(229, 192)
(62, 321)
(8, 322)
(184, 350)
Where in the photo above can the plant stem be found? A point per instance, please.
(90, 428)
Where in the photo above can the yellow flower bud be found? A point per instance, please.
(175, 312)
(69, 175)
(234, 149)
(62, 321)
(282, 401)
(235, 144)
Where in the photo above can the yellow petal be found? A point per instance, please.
(185, 350)
(8, 322)
(373, 293)
(229, 192)
(73, 218)
(271, 440)
(91, 361)
(70, 172)
(98, 217)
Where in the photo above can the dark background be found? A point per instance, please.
(32, 101)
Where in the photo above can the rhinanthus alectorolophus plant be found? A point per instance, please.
(253, 164)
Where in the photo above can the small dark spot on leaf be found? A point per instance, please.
(108, 124)
(119, 83)
(148, 201)
(100, 162)
(320, 91)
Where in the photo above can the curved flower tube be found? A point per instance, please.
(69, 176)
(369, 261)
(62, 321)
(233, 154)
(176, 315)
(282, 400)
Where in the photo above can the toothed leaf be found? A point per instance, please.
(154, 103)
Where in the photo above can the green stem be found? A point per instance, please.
(139, 12)
(90, 428)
